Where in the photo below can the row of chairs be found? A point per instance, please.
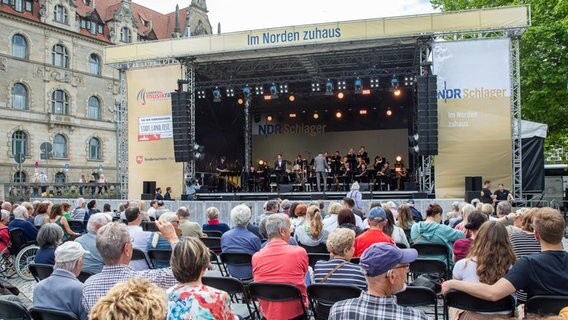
(12, 310)
(41, 271)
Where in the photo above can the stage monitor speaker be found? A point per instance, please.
(473, 184)
(147, 196)
(419, 195)
(149, 187)
(318, 196)
(285, 188)
(470, 195)
(181, 125)
(186, 197)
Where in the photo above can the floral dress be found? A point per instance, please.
(198, 302)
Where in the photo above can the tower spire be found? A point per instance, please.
(177, 29)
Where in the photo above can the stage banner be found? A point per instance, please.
(150, 142)
(474, 113)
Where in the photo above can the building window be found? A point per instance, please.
(29, 5)
(60, 177)
(59, 102)
(60, 14)
(20, 177)
(94, 64)
(125, 35)
(60, 146)
(19, 5)
(19, 143)
(19, 46)
(94, 149)
(94, 111)
(20, 97)
(100, 27)
(60, 56)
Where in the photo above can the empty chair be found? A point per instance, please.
(315, 257)
(418, 297)
(40, 271)
(320, 248)
(11, 310)
(214, 258)
(237, 259)
(138, 254)
(546, 305)
(213, 243)
(464, 301)
(322, 296)
(275, 292)
(236, 291)
(160, 257)
(49, 314)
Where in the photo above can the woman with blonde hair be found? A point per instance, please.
(465, 210)
(488, 209)
(311, 233)
(190, 298)
(135, 299)
(489, 259)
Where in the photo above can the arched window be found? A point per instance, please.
(60, 14)
(59, 102)
(60, 56)
(94, 64)
(20, 177)
(60, 177)
(20, 97)
(19, 143)
(19, 46)
(59, 146)
(125, 35)
(94, 111)
(94, 149)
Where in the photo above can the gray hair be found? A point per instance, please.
(285, 204)
(503, 208)
(69, 265)
(271, 205)
(183, 212)
(97, 220)
(111, 239)
(240, 215)
(20, 212)
(274, 223)
(212, 213)
(168, 217)
(81, 202)
(4, 214)
(355, 186)
(50, 234)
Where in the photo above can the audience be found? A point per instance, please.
(405, 220)
(4, 234)
(311, 233)
(490, 258)
(240, 240)
(346, 219)
(80, 213)
(299, 219)
(139, 236)
(115, 247)
(391, 230)
(20, 221)
(157, 241)
(465, 210)
(93, 261)
(188, 228)
(349, 203)
(416, 215)
(461, 247)
(280, 262)
(153, 209)
(386, 269)
(271, 207)
(356, 195)
(377, 221)
(542, 273)
(213, 223)
(134, 299)
(42, 214)
(48, 238)
(525, 242)
(56, 216)
(190, 298)
(330, 222)
(61, 290)
(431, 231)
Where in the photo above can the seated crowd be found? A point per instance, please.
(491, 254)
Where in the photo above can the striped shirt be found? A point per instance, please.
(524, 244)
(349, 273)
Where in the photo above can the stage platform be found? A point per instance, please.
(333, 195)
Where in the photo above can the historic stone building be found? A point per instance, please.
(55, 88)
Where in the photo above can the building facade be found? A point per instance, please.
(56, 88)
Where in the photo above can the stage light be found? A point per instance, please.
(274, 90)
(259, 90)
(394, 81)
(200, 94)
(363, 112)
(292, 98)
(260, 162)
(216, 94)
(409, 81)
(374, 83)
(398, 158)
(230, 92)
(292, 115)
(284, 88)
(198, 148)
(366, 91)
(315, 87)
(358, 85)
(269, 118)
(340, 95)
(240, 101)
(267, 97)
(389, 112)
(329, 87)
(341, 85)
(396, 92)
(316, 115)
(338, 115)
(246, 91)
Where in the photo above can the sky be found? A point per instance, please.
(258, 14)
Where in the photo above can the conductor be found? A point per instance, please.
(320, 167)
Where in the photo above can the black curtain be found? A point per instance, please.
(533, 164)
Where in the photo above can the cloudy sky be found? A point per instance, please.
(257, 14)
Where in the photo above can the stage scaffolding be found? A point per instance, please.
(312, 63)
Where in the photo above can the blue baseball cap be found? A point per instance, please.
(382, 257)
(377, 214)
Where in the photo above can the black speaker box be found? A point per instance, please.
(149, 187)
(419, 195)
(473, 183)
(285, 188)
(147, 196)
(470, 195)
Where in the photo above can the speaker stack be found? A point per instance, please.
(473, 188)
(180, 124)
(427, 115)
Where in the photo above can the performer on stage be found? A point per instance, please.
(502, 194)
(336, 164)
(221, 168)
(379, 162)
(384, 176)
(486, 195)
(279, 168)
(351, 158)
(363, 154)
(400, 175)
(320, 167)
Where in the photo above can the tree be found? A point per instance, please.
(544, 61)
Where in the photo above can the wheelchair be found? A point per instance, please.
(16, 258)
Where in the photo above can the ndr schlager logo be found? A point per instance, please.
(147, 96)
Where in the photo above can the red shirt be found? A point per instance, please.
(367, 238)
(280, 262)
(461, 248)
(4, 238)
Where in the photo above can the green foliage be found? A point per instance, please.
(544, 60)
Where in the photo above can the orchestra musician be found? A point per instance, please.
(384, 175)
(351, 158)
(336, 164)
(221, 168)
(400, 175)
(362, 172)
(379, 162)
(363, 154)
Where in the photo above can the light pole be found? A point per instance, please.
(116, 120)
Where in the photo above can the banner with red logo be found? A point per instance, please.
(150, 143)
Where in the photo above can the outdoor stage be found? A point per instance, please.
(308, 196)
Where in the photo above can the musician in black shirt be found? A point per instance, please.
(486, 194)
(336, 163)
(502, 194)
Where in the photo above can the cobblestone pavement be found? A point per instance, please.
(26, 289)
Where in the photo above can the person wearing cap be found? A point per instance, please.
(377, 220)
(385, 267)
(62, 290)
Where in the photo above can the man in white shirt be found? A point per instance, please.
(153, 208)
(139, 236)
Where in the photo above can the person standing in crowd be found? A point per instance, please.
(386, 270)
(42, 179)
(48, 238)
(356, 195)
(486, 194)
(62, 291)
(93, 262)
(190, 298)
(461, 246)
(377, 221)
(213, 223)
(168, 195)
(320, 167)
(280, 262)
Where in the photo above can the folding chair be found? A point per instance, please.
(320, 248)
(12, 310)
(432, 251)
(149, 226)
(83, 276)
(49, 314)
(428, 266)
(315, 257)
(234, 288)
(213, 233)
(213, 243)
(160, 257)
(40, 271)
(546, 305)
(323, 295)
(138, 254)
(464, 301)
(418, 297)
(275, 292)
(236, 259)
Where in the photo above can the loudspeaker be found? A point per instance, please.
(427, 121)
(285, 188)
(470, 195)
(147, 196)
(318, 196)
(180, 126)
(186, 197)
(419, 195)
(149, 187)
(473, 184)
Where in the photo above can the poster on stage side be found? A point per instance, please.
(150, 142)
(474, 114)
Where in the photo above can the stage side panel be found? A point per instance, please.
(150, 142)
(474, 110)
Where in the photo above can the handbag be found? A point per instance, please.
(431, 281)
